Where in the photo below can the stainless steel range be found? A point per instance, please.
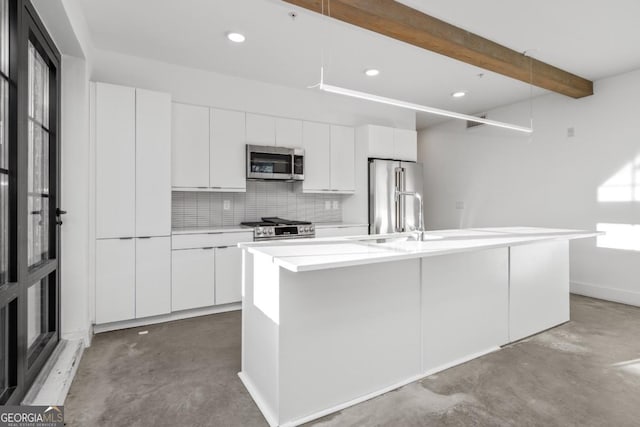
(272, 228)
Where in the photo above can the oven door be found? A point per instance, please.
(265, 162)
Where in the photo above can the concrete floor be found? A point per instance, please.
(583, 373)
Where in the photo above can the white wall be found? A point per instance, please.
(549, 179)
(193, 86)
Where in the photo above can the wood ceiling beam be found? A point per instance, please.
(395, 20)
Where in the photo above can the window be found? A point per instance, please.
(4, 141)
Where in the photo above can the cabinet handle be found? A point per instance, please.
(223, 247)
(202, 188)
(144, 237)
(215, 232)
(126, 238)
(208, 248)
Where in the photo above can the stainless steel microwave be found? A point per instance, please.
(277, 163)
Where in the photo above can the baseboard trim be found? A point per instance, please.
(267, 413)
(606, 293)
(179, 315)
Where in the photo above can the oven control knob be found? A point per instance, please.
(311, 228)
(258, 231)
(271, 231)
(305, 229)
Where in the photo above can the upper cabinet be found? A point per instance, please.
(133, 166)
(261, 130)
(153, 163)
(389, 143)
(288, 132)
(343, 152)
(329, 153)
(317, 157)
(190, 146)
(115, 138)
(227, 152)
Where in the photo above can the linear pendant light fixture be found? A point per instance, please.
(416, 107)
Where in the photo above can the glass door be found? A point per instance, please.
(29, 183)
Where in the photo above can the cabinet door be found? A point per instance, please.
(192, 278)
(317, 155)
(288, 133)
(115, 280)
(405, 145)
(153, 163)
(343, 152)
(190, 146)
(261, 130)
(227, 150)
(380, 140)
(153, 276)
(115, 160)
(228, 275)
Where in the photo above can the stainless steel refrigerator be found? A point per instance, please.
(388, 213)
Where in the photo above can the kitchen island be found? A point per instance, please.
(328, 323)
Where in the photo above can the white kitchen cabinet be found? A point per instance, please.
(288, 132)
(405, 144)
(227, 151)
(317, 151)
(389, 143)
(228, 274)
(380, 141)
(115, 114)
(190, 146)
(343, 149)
(192, 278)
(115, 280)
(261, 129)
(153, 276)
(538, 297)
(152, 163)
(341, 231)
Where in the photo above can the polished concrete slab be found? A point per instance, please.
(583, 373)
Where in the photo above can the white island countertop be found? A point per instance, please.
(319, 254)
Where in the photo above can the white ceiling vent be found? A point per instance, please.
(472, 124)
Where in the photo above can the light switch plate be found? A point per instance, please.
(327, 205)
(226, 205)
(336, 205)
(460, 204)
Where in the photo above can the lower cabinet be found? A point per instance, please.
(153, 276)
(132, 278)
(192, 278)
(115, 280)
(228, 283)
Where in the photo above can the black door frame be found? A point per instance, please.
(25, 27)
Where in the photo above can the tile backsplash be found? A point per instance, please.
(262, 199)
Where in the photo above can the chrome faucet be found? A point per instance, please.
(420, 230)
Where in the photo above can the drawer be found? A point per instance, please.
(189, 241)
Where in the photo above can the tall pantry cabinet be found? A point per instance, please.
(132, 136)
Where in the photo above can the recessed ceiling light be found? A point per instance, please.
(371, 72)
(236, 37)
(459, 94)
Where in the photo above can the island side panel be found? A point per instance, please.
(539, 287)
(260, 332)
(465, 301)
(346, 333)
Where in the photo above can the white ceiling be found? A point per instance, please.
(582, 36)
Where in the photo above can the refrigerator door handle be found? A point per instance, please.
(403, 201)
(398, 200)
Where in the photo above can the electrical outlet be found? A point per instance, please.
(327, 205)
(460, 204)
(571, 132)
(336, 205)
(226, 205)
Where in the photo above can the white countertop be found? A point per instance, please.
(209, 230)
(319, 254)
